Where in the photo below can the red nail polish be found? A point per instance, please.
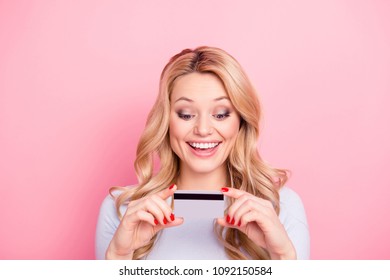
(172, 217)
(239, 223)
(228, 218)
(165, 221)
(232, 221)
(155, 222)
(171, 186)
(224, 189)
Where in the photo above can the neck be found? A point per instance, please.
(189, 180)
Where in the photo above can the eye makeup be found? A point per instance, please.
(222, 115)
(219, 115)
(184, 116)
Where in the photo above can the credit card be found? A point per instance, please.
(195, 238)
(198, 205)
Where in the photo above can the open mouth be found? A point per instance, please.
(203, 146)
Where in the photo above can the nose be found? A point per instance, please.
(203, 126)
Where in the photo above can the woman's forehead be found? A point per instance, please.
(198, 87)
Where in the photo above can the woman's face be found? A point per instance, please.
(203, 123)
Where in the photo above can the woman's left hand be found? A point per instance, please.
(257, 218)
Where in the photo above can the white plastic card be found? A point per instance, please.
(195, 238)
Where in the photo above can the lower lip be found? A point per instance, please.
(206, 153)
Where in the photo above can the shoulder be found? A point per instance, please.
(107, 223)
(108, 206)
(291, 206)
(293, 217)
(289, 198)
(108, 215)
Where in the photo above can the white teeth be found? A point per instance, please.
(203, 145)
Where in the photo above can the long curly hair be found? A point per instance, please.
(246, 169)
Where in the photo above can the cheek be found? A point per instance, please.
(231, 129)
(173, 129)
(177, 130)
(173, 137)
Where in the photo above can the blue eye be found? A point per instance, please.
(185, 117)
(222, 116)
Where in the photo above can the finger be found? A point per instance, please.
(232, 192)
(241, 198)
(176, 222)
(151, 206)
(251, 216)
(146, 217)
(263, 221)
(224, 223)
(164, 194)
(139, 216)
(235, 217)
(231, 215)
(244, 204)
(165, 208)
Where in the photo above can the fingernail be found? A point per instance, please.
(224, 189)
(155, 222)
(171, 186)
(165, 221)
(172, 217)
(232, 221)
(228, 218)
(239, 223)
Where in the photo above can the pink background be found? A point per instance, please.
(77, 79)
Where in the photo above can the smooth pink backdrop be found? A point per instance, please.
(77, 79)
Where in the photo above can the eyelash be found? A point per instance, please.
(223, 116)
(218, 117)
(185, 117)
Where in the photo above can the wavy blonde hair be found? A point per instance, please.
(247, 171)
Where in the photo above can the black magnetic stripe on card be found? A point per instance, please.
(198, 196)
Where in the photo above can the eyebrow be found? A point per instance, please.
(190, 100)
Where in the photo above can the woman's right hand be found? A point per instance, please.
(144, 217)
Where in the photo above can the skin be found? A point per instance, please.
(201, 112)
(257, 218)
(143, 219)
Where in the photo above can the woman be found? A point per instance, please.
(204, 129)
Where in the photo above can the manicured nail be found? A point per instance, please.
(172, 217)
(155, 222)
(165, 221)
(232, 223)
(171, 186)
(224, 189)
(239, 223)
(228, 218)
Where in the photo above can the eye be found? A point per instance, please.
(222, 116)
(185, 117)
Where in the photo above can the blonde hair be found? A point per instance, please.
(247, 170)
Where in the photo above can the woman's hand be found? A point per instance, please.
(144, 217)
(257, 218)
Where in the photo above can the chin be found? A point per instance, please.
(204, 168)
